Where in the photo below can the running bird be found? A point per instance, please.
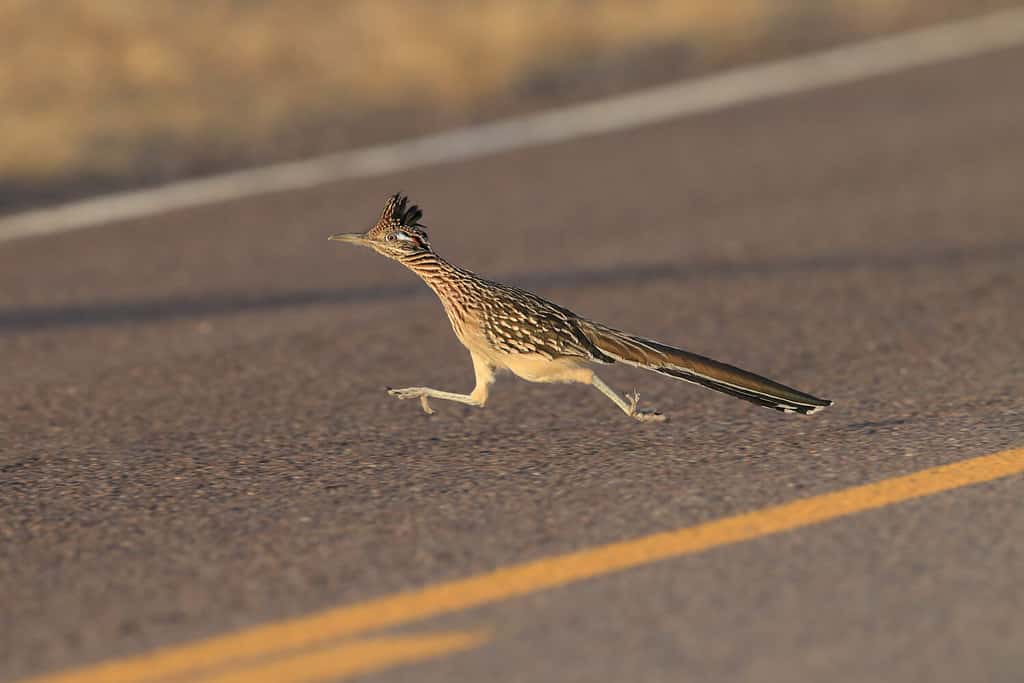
(506, 328)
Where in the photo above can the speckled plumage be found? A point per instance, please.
(511, 319)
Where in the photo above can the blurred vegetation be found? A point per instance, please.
(161, 88)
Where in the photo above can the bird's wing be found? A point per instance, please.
(517, 321)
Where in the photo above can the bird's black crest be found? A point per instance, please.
(398, 212)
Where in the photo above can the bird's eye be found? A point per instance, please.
(390, 237)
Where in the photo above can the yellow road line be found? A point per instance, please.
(350, 658)
(545, 573)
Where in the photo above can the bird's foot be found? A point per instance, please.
(649, 416)
(642, 415)
(413, 392)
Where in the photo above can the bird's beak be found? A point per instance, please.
(353, 237)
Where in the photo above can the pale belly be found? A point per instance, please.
(529, 366)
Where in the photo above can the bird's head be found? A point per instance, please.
(397, 233)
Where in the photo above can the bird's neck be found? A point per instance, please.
(453, 285)
(433, 269)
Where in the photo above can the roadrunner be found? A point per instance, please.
(506, 328)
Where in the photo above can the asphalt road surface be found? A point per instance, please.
(196, 437)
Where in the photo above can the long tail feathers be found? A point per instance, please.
(707, 372)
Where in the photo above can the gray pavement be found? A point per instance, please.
(195, 437)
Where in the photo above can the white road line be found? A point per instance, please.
(728, 89)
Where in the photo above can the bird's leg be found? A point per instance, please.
(423, 393)
(629, 404)
(478, 397)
